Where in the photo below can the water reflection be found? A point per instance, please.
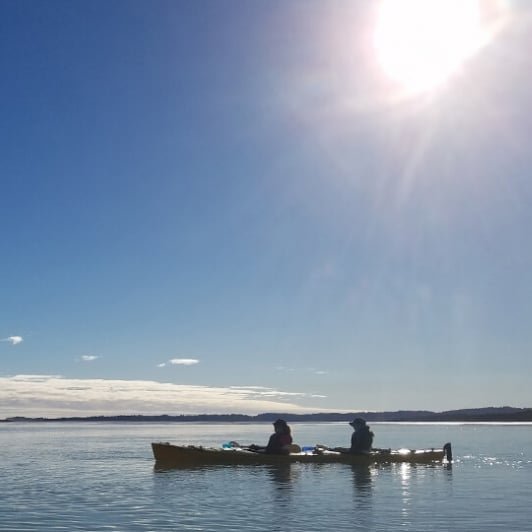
(281, 475)
(411, 476)
(161, 467)
(362, 480)
(281, 503)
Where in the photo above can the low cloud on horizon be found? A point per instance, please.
(56, 396)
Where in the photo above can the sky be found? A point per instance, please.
(282, 206)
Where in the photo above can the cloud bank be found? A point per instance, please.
(56, 396)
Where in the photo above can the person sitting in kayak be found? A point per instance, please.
(362, 438)
(279, 442)
(281, 439)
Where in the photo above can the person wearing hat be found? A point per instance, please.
(280, 440)
(362, 438)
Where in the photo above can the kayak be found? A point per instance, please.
(185, 455)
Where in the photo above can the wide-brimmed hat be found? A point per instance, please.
(279, 422)
(357, 422)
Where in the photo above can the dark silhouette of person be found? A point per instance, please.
(362, 438)
(281, 439)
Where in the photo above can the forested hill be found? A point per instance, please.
(490, 414)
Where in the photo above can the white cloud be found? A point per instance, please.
(183, 361)
(56, 396)
(179, 362)
(89, 358)
(310, 370)
(284, 368)
(14, 340)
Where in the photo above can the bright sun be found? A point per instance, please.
(421, 43)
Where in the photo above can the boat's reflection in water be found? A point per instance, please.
(363, 475)
(161, 467)
(284, 477)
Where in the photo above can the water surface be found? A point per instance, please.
(101, 477)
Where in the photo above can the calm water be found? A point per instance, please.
(101, 477)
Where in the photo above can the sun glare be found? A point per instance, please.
(422, 43)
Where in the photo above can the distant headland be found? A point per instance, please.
(490, 414)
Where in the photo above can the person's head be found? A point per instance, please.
(280, 425)
(358, 423)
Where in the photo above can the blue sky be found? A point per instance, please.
(231, 207)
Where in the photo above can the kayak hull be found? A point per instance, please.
(180, 455)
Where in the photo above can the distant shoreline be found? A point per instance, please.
(479, 415)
